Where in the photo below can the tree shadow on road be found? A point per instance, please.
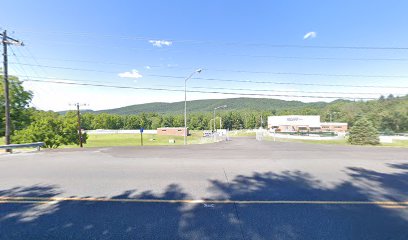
(392, 186)
(126, 220)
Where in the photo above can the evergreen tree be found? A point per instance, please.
(363, 133)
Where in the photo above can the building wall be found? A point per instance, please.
(294, 120)
(299, 123)
(334, 127)
(171, 131)
(296, 128)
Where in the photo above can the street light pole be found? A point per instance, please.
(185, 103)
(214, 120)
(223, 106)
(332, 114)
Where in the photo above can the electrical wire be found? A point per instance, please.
(198, 91)
(242, 81)
(144, 38)
(218, 88)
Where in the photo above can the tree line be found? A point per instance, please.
(387, 114)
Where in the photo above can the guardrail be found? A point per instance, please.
(37, 145)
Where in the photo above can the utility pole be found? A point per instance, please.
(6, 41)
(79, 124)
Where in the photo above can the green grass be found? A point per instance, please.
(110, 140)
(396, 143)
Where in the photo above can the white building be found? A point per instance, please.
(299, 123)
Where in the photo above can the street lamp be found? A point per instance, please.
(185, 103)
(223, 106)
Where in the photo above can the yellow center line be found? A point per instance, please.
(9, 199)
(20, 201)
(395, 206)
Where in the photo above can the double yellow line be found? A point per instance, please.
(51, 200)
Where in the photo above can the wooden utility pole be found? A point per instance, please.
(6, 41)
(79, 126)
(80, 141)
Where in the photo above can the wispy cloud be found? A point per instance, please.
(148, 67)
(160, 43)
(310, 35)
(132, 74)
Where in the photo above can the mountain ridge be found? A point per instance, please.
(208, 105)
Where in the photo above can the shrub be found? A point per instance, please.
(52, 129)
(363, 133)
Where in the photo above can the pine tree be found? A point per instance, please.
(363, 133)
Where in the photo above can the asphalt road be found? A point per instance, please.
(242, 189)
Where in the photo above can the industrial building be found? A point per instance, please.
(299, 123)
(334, 127)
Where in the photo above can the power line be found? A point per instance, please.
(235, 55)
(17, 59)
(66, 68)
(272, 90)
(214, 88)
(236, 71)
(309, 74)
(280, 83)
(144, 38)
(250, 81)
(320, 58)
(197, 91)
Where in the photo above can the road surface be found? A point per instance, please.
(242, 189)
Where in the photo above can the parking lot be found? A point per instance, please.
(241, 189)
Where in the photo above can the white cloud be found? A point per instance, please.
(148, 67)
(160, 43)
(132, 74)
(310, 35)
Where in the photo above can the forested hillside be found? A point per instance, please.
(234, 104)
(387, 114)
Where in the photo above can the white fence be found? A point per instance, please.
(390, 139)
(317, 138)
(110, 131)
(260, 133)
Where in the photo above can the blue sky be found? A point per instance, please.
(228, 39)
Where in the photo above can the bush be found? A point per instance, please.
(52, 129)
(363, 133)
